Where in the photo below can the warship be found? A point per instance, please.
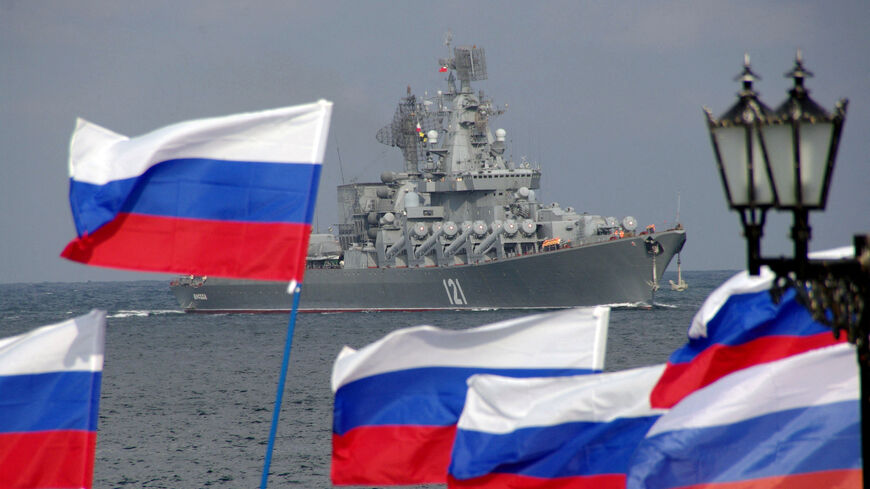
(460, 227)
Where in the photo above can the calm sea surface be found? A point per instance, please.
(187, 399)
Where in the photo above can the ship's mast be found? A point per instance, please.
(468, 123)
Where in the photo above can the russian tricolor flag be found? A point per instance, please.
(791, 423)
(397, 400)
(739, 325)
(228, 196)
(577, 432)
(49, 404)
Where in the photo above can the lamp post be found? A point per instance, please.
(740, 156)
(784, 159)
(802, 142)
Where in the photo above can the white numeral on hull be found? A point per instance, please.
(454, 292)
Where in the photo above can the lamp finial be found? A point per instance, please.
(799, 73)
(747, 76)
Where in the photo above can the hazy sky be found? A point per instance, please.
(606, 96)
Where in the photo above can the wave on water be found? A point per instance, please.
(144, 313)
(628, 305)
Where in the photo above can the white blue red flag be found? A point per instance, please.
(228, 196)
(790, 423)
(577, 432)
(49, 404)
(397, 400)
(739, 325)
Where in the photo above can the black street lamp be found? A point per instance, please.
(740, 155)
(802, 146)
(784, 159)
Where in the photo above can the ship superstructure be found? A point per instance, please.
(458, 201)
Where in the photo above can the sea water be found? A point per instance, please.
(187, 399)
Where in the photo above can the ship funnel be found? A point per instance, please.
(412, 199)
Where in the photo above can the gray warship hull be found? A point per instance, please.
(610, 272)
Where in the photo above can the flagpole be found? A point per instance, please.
(295, 289)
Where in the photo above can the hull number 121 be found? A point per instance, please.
(454, 292)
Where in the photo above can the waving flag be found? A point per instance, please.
(49, 404)
(229, 196)
(791, 423)
(397, 400)
(738, 326)
(577, 432)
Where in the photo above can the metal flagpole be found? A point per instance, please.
(295, 289)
